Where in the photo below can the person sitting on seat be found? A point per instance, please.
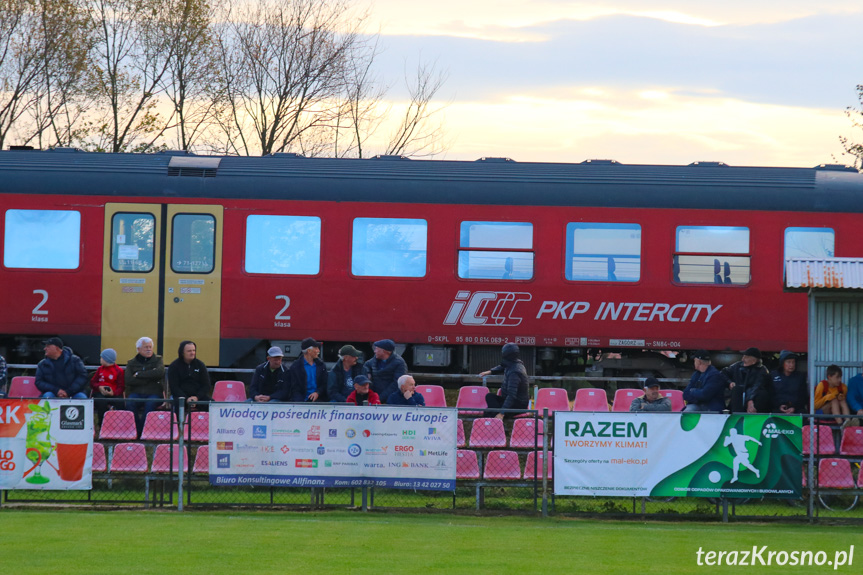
(514, 389)
(308, 374)
(362, 393)
(62, 373)
(188, 377)
(788, 388)
(145, 379)
(749, 383)
(271, 380)
(340, 381)
(830, 395)
(407, 394)
(706, 389)
(107, 382)
(385, 368)
(652, 400)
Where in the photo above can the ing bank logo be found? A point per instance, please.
(485, 308)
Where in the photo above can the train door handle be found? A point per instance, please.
(178, 299)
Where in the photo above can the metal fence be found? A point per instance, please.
(503, 466)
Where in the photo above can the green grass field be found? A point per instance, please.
(142, 542)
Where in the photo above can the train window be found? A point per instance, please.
(809, 243)
(497, 250)
(132, 243)
(389, 247)
(283, 245)
(42, 239)
(712, 255)
(193, 243)
(603, 252)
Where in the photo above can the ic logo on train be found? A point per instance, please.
(486, 308)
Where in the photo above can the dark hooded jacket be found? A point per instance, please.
(515, 387)
(189, 379)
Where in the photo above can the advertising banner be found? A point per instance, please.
(307, 445)
(677, 455)
(46, 444)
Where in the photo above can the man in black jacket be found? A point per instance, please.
(514, 389)
(749, 383)
(188, 376)
(271, 379)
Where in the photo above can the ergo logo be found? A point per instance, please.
(485, 308)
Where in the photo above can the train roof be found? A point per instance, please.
(493, 181)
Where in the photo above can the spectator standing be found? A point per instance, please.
(145, 379)
(271, 380)
(706, 389)
(749, 381)
(188, 377)
(788, 389)
(514, 389)
(107, 382)
(831, 394)
(652, 399)
(362, 393)
(308, 374)
(340, 382)
(61, 373)
(407, 393)
(385, 368)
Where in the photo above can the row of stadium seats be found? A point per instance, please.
(132, 458)
(850, 444)
(119, 425)
(500, 465)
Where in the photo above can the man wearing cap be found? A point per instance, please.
(749, 381)
(514, 389)
(788, 388)
(308, 374)
(385, 368)
(362, 393)
(271, 379)
(340, 382)
(652, 400)
(62, 373)
(407, 393)
(706, 389)
(107, 382)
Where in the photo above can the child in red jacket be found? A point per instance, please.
(107, 382)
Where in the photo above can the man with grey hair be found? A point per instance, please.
(406, 394)
(271, 379)
(145, 380)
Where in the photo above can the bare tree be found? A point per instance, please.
(281, 70)
(419, 133)
(856, 117)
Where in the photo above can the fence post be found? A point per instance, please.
(545, 461)
(180, 463)
(810, 469)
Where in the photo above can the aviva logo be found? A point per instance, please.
(605, 429)
(485, 308)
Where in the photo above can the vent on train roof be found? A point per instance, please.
(836, 168)
(703, 164)
(390, 157)
(494, 159)
(65, 150)
(193, 166)
(290, 155)
(602, 162)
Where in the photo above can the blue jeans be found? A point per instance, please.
(50, 395)
(142, 408)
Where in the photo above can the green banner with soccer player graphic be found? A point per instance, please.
(677, 455)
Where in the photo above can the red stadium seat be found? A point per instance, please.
(167, 460)
(526, 434)
(824, 444)
(502, 465)
(623, 398)
(551, 398)
(157, 427)
(532, 462)
(472, 397)
(433, 395)
(852, 441)
(835, 474)
(466, 466)
(100, 464)
(461, 440)
(676, 397)
(129, 458)
(487, 432)
(227, 390)
(118, 425)
(23, 386)
(202, 460)
(200, 424)
(590, 399)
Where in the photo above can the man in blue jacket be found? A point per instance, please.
(407, 393)
(62, 373)
(271, 380)
(855, 397)
(706, 389)
(308, 374)
(385, 368)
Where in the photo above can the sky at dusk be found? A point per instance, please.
(756, 82)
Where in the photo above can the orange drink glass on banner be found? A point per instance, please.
(71, 458)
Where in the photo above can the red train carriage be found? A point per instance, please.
(451, 259)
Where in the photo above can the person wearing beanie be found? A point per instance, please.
(385, 368)
(340, 381)
(188, 377)
(108, 384)
(308, 374)
(362, 394)
(749, 383)
(61, 373)
(514, 389)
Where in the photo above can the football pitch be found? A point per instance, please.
(143, 542)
